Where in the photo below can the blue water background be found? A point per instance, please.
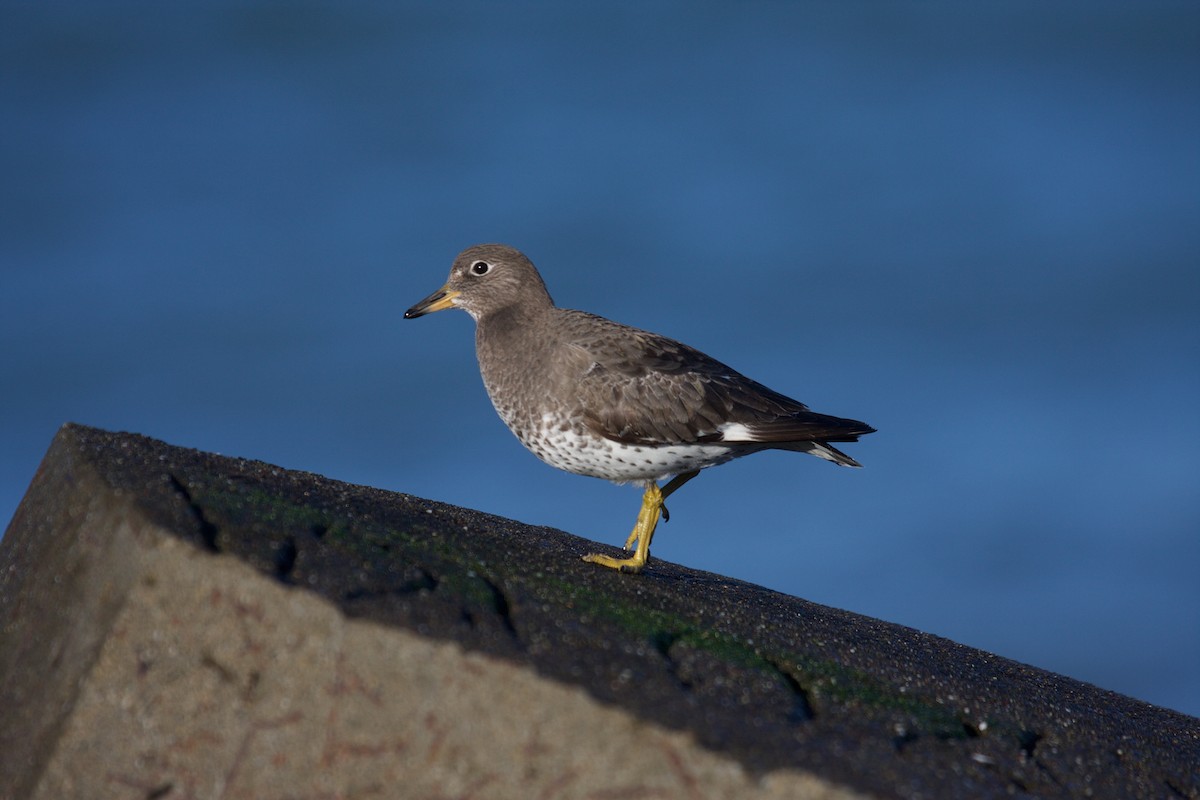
(974, 225)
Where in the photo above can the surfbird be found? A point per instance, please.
(594, 397)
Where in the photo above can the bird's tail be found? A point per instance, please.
(822, 450)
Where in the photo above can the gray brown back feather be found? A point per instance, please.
(647, 389)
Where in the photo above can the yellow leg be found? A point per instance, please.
(643, 531)
(671, 486)
(636, 534)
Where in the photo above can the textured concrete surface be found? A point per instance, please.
(179, 624)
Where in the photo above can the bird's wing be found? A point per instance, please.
(642, 388)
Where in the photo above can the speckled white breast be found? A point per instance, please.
(566, 444)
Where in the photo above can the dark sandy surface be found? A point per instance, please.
(770, 680)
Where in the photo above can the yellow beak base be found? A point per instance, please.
(440, 300)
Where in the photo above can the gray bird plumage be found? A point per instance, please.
(598, 398)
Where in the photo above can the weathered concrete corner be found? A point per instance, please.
(179, 624)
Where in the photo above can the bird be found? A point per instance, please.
(594, 397)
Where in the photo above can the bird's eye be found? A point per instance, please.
(480, 268)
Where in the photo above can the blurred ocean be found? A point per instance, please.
(975, 226)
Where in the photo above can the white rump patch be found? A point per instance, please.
(736, 432)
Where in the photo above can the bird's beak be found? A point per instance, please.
(443, 298)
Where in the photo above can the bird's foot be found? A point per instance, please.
(639, 539)
(633, 564)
